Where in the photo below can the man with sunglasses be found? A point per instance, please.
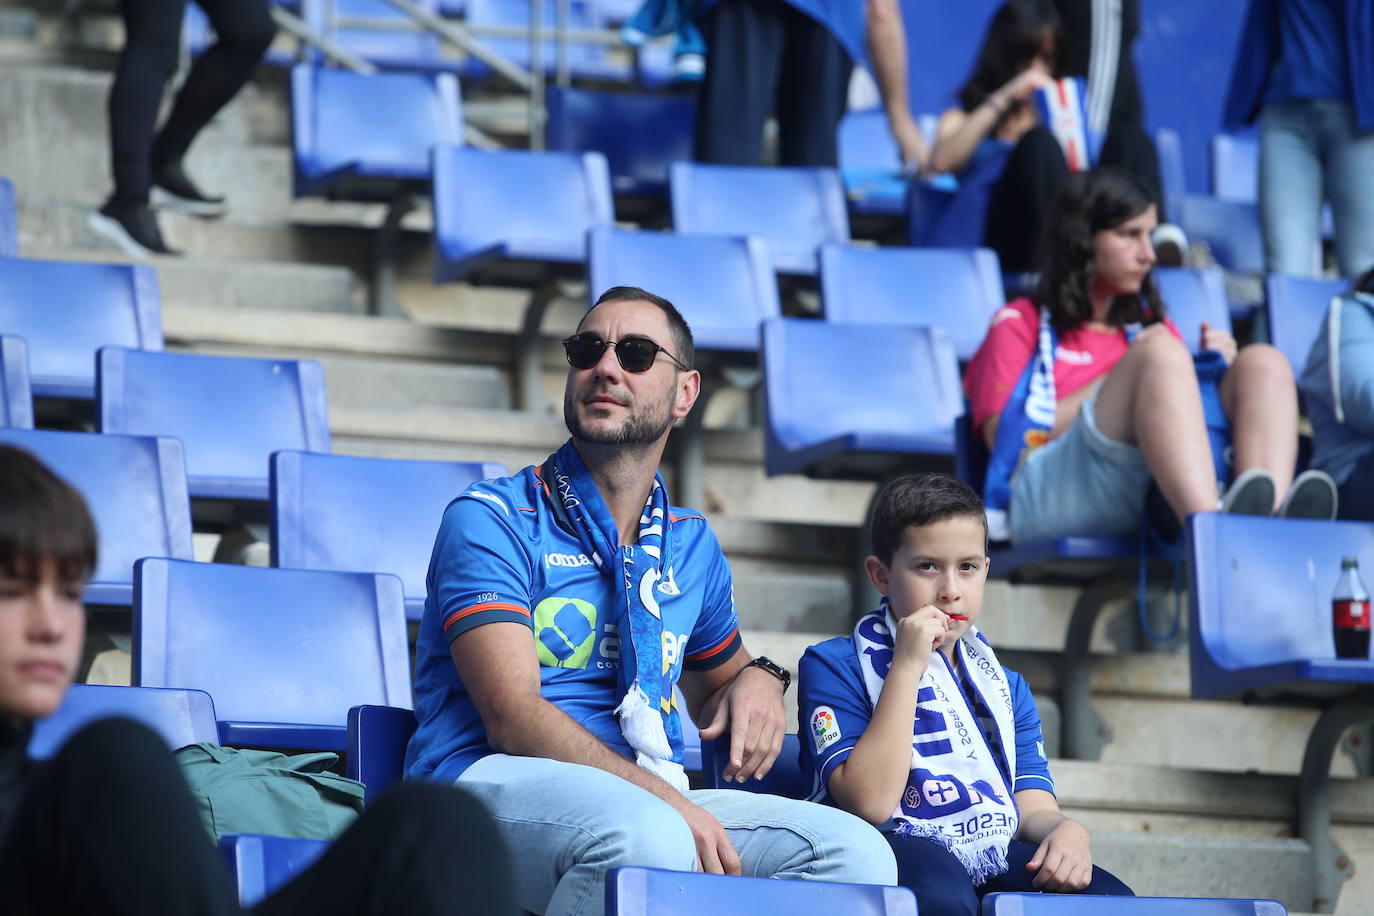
(564, 603)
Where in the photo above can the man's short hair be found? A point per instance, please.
(677, 325)
(42, 518)
(920, 499)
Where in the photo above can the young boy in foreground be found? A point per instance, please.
(912, 724)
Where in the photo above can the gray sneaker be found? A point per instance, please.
(1313, 495)
(1251, 493)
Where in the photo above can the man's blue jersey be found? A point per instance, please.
(501, 556)
(833, 710)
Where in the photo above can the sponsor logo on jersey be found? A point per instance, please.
(566, 560)
(825, 731)
(563, 632)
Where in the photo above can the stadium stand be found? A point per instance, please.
(261, 864)
(9, 232)
(16, 399)
(336, 512)
(639, 133)
(67, 310)
(1296, 307)
(135, 487)
(1231, 229)
(584, 60)
(642, 891)
(285, 653)
(179, 715)
(379, 33)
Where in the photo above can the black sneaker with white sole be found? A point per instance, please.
(133, 227)
(173, 189)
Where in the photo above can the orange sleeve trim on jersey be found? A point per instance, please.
(484, 606)
(679, 518)
(707, 653)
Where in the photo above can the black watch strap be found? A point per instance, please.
(773, 668)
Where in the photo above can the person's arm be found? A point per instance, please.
(887, 52)
(1063, 857)
(871, 781)
(747, 701)
(959, 132)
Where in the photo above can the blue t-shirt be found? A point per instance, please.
(501, 556)
(1312, 62)
(829, 675)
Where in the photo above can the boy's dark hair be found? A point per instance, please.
(42, 518)
(677, 325)
(920, 499)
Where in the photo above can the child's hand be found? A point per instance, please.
(1219, 340)
(1064, 860)
(918, 635)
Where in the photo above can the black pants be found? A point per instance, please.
(1128, 147)
(765, 57)
(1356, 495)
(153, 31)
(943, 887)
(108, 826)
(1020, 199)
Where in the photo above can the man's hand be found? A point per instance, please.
(1063, 859)
(716, 855)
(751, 707)
(918, 635)
(1219, 340)
(909, 140)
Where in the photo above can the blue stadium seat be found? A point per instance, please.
(376, 747)
(180, 716)
(395, 42)
(639, 133)
(1192, 296)
(1235, 167)
(785, 779)
(907, 404)
(1297, 308)
(16, 399)
(796, 210)
(633, 891)
(336, 512)
(724, 286)
(956, 288)
(231, 412)
(66, 310)
(1230, 228)
(135, 487)
(9, 229)
(515, 205)
(585, 60)
(261, 864)
(364, 136)
(284, 652)
(871, 164)
(1085, 905)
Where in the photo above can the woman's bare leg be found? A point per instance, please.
(1261, 402)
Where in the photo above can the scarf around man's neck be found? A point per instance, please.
(959, 792)
(643, 575)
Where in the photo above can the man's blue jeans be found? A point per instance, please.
(566, 824)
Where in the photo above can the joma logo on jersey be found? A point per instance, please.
(566, 560)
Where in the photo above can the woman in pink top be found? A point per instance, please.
(1125, 399)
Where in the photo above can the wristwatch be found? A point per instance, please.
(773, 668)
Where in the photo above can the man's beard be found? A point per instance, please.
(642, 427)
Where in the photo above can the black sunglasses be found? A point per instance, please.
(636, 354)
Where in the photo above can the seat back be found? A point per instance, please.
(1090, 905)
(277, 647)
(135, 487)
(584, 58)
(724, 286)
(785, 778)
(1192, 296)
(1230, 229)
(230, 412)
(635, 891)
(1297, 308)
(796, 210)
(16, 397)
(515, 204)
(66, 310)
(377, 739)
(380, 126)
(179, 716)
(261, 864)
(638, 133)
(957, 288)
(1235, 167)
(9, 223)
(1260, 591)
(397, 46)
(337, 512)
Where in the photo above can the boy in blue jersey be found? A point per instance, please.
(564, 604)
(912, 724)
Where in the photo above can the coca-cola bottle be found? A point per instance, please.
(1350, 612)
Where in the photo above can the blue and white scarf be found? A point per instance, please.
(959, 791)
(648, 713)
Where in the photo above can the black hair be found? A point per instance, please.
(42, 518)
(1013, 39)
(920, 499)
(1086, 204)
(677, 325)
(1365, 284)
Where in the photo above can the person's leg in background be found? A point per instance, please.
(419, 849)
(1290, 191)
(812, 92)
(244, 29)
(1021, 197)
(744, 47)
(1017, 878)
(1349, 155)
(108, 826)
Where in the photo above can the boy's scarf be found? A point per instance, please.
(959, 792)
(648, 713)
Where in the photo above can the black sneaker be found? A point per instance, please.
(132, 227)
(174, 190)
